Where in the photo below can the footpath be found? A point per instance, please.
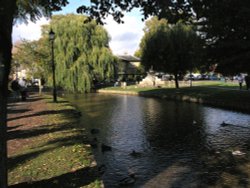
(47, 147)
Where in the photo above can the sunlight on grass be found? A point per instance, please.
(60, 148)
(216, 93)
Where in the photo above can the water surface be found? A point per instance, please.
(176, 144)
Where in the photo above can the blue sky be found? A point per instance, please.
(125, 38)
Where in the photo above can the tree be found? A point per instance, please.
(226, 26)
(33, 56)
(9, 10)
(81, 52)
(172, 10)
(170, 48)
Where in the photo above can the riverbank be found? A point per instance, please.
(221, 97)
(47, 147)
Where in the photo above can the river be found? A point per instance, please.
(160, 143)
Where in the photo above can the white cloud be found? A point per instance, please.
(29, 31)
(125, 38)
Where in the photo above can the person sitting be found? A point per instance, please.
(23, 88)
(15, 88)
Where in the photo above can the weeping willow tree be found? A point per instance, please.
(82, 55)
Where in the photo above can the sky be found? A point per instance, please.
(125, 38)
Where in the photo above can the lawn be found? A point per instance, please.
(216, 93)
(52, 148)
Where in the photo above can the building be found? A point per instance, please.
(128, 68)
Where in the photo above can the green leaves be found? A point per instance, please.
(173, 49)
(81, 53)
(35, 9)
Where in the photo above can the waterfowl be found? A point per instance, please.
(78, 113)
(94, 131)
(238, 153)
(106, 148)
(135, 154)
(129, 180)
(102, 168)
(94, 143)
(223, 124)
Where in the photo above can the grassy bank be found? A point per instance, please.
(54, 149)
(218, 94)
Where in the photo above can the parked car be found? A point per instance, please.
(214, 77)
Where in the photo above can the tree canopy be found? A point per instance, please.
(173, 10)
(225, 25)
(174, 49)
(33, 56)
(82, 52)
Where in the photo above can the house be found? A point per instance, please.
(128, 67)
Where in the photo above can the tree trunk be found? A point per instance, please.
(176, 81)
(7, 10)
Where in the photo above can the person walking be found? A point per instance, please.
(240, 80)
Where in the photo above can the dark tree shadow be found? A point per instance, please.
(29, 133)
(53, 144)
(14, 111)
(49, 112)
(79, 178)
(13, 127)
(60, 102)
(12, 101)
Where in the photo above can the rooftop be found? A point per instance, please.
(129, 58)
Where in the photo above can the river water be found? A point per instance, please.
(166, 143)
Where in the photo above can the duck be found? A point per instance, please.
(94, 131)
(94, 143)
(135, 154)
(77, 113)
(223, 124)
(106, 148)
(102, 168)
(129, 180)
(238, 153)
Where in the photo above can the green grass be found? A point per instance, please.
(216, 93)
(57, 155)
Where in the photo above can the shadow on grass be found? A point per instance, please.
(79, 178)
(63, 140)
(29, 133)
(59, 102)
(49, 112)
(14, 127)
(12, 101)
(15, 111)
(52, 143)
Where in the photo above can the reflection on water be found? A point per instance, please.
(175, 144)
